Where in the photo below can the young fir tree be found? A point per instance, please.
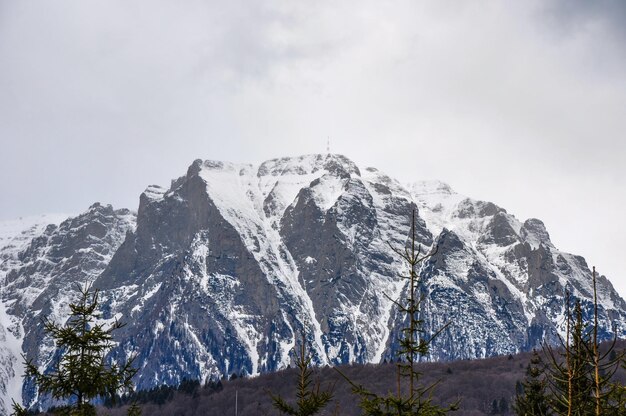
(570, 372)
(310, 400)
(82, 373)
(618, 396)
(532, 399)
(416, 399)
(581, 380)
(134, 410)
(605, 391)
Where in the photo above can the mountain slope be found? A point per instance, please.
(490, 262)
(41, 272)
(15, 236)
(227, 268)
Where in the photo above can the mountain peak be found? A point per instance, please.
(308, 164)
(222, 272)
(433, 186)
(298, 165)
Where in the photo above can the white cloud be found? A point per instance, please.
(520, 103)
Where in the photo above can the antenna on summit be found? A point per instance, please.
(328, 144)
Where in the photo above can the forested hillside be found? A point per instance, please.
(484, 387)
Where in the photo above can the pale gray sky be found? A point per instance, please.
(519, 103)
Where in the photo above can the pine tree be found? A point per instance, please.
(82, 374)
(581, 379)
(494, 407)
(618, 396)
(414, 343)
(532, 399)
(503, 405)
(134, 410)
(570, 375)
(606, 392)
(18, 410)
(310, 400)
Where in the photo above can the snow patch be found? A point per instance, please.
(154, 192)
(236, 194)
(327, 191)
(11, 368)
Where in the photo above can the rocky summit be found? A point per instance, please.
(224, 271)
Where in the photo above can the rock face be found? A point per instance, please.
(227, 268)
(41, 272)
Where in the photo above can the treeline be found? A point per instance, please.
(163, 394)
(484, 387)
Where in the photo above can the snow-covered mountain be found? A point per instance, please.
(15, 236)
(41, 271)
(223, 271)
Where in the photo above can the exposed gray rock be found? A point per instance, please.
(227, 268)
(51, 268)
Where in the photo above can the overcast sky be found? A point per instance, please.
(522, 103)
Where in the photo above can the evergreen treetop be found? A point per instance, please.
(533, 400)
(310, 399)
(82, 373)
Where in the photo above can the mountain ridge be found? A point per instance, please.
(222, 271)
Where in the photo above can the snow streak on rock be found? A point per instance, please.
(42, 268)
(230, 266)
